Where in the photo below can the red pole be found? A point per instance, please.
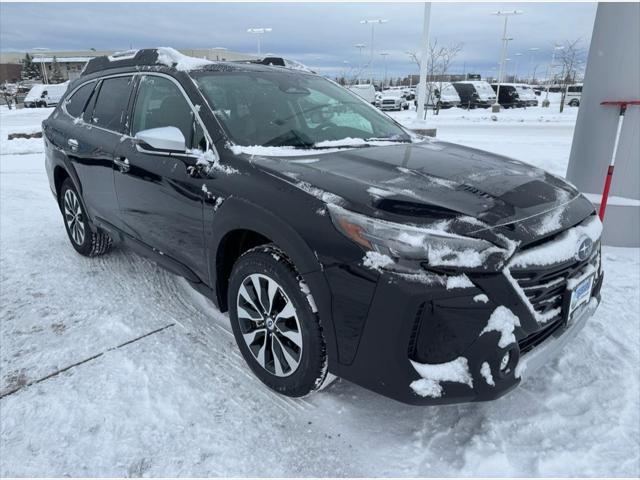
(605, 193)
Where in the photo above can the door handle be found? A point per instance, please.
(122, 163)
(73, 144)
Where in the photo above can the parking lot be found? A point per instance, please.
(115, 367)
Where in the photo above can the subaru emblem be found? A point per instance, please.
(584, 248)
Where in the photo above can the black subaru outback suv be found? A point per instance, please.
(338, 241)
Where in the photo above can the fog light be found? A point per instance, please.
(504, 363)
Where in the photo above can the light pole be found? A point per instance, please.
(532, 50)
(495, 108)
(545, 102)
(373, 24)
(360, 47)
(424, 58)
(515, 73)
(43, 69)
(259, 31)
(384, 62)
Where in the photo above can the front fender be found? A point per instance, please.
(239, 214)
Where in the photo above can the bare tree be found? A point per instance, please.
(439, 60)
(572, 60)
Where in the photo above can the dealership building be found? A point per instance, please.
(71, 63)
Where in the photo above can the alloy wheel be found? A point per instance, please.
(269, 325)
(73, 217)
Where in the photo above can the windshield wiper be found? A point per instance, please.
(292, 138)
(388, 139)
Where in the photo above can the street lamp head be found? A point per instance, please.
(259, 30)
(375, 20)
(507, 12)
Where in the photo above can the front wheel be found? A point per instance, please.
(275, 324)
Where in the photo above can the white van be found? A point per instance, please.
(442, 94)
(45, 95)
(366, 91)
(574, 92)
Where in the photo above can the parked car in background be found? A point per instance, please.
(392, 100)
(526, 94)
(45, 95)
(508, 95)
(572, 97)
(366, 91)
(338, 241)
(441, 95)
(475, 93)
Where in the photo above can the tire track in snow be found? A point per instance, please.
(175, 300)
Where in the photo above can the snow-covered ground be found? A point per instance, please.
(151, 382)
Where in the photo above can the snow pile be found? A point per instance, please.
(562, 248)
(432, 374)
(260, 151)
(485, 371)
(481, 298)
(376, 261)
(172, 58)
(354, 142)
(210, 162)
(459, 281)
(503, 321)
(326, 197)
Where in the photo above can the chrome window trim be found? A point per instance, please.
(194, 110)
(210, 145)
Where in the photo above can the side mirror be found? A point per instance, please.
(165, 139)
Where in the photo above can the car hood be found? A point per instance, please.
(425, 182)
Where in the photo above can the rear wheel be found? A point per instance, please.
(274, 323)
(86, 239)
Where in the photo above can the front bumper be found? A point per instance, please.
(409, 322)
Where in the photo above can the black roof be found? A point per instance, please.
(148, 57)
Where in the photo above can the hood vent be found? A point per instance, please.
(414, 209)
(463, 187)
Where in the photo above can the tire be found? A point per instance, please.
(574, 103)
(84, 237)
(285, 350)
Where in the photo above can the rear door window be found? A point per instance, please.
(111, 104)
(76, 103)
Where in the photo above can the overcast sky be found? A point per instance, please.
(319, 35)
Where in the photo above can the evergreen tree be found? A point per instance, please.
(56, 74)
(30, 70)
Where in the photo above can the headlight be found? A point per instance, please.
(434, 245)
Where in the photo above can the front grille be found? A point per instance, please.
(529, 342)
(545, 286)
(389, 102)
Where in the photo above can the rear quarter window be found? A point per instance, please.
(111, 103)
(75, 103)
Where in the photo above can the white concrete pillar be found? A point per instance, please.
(613, 73)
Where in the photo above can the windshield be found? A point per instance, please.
(277, 109)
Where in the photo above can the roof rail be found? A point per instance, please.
(130, 58)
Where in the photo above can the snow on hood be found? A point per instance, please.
(172, 58)
(562, 248)
(328, 146)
